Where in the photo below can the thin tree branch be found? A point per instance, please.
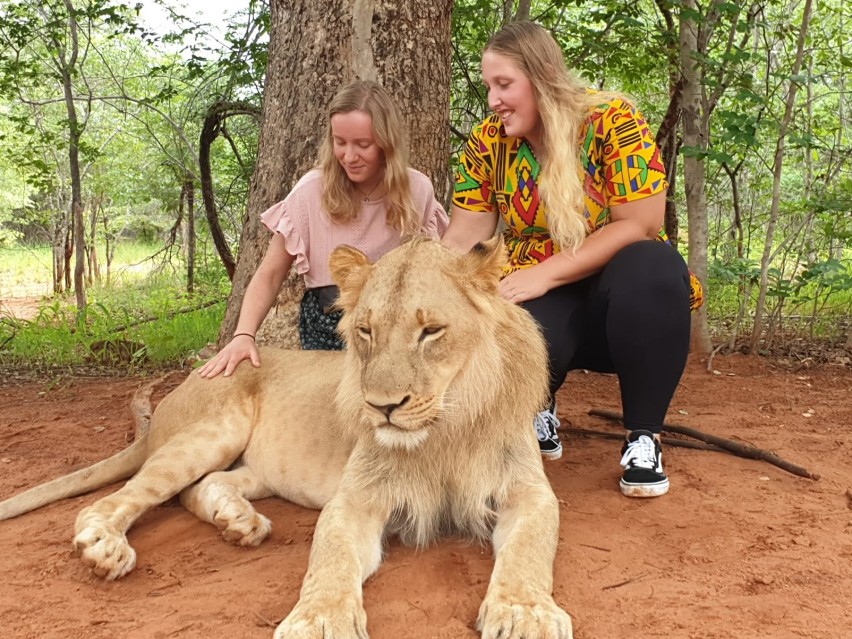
(153, 318)
(735, 448)
(668, 441)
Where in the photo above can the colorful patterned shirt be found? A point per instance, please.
(499, 173)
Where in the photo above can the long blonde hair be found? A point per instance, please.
(340, 198)
(564, 105)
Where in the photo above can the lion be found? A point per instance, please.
(421, 428)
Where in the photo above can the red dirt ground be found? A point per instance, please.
(738, 548)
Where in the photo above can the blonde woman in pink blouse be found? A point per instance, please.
(363, 193)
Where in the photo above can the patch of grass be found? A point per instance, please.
(30, 268)
(25, 271)
(142, 318)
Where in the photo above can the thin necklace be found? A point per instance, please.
(373, 190)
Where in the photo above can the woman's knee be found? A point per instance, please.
(649, 268)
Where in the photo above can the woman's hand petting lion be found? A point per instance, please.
(240, 347)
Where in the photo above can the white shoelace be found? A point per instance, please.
(642, 453)
(545, 424)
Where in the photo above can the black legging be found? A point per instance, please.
(631, 319)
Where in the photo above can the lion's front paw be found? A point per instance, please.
(339, 620)
(506, 618)
(240, 523)
(105, 550)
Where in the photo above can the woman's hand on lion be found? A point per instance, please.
(522, 286)
(239, 348)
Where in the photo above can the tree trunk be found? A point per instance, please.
(189, 190)
(69, 251)
(316, 46)
(695, 139)
(669, 145)
(667, 137)
(66, 68)
(80, 248)
(776, 182)
(508, 5)
(522, 12)
(59, 242)
(179, 227)
(213, 122)
(92, 263)
(108, 247)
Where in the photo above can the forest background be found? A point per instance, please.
(127, 159)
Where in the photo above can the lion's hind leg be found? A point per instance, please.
(100, 530)
(223, 499)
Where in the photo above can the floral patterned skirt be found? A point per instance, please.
(318, 330)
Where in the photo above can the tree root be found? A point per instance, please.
(713, 442)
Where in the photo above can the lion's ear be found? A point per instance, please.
(349, 269)
(483, 264)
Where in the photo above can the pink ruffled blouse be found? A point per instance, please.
(310, 235)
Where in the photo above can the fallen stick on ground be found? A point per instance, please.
(668, 441)
(735, 448)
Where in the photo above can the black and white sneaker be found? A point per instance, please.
(642, 460)
(546, 423)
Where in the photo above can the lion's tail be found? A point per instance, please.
(120, 466)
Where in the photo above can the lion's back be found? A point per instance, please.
(286, 382)
(298, 447)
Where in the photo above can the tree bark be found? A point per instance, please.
(316, 46)
(695, 139)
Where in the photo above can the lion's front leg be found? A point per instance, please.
(347, 549)
(519, 602)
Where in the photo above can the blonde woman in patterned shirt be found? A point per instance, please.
(577, 178)
(362, 193)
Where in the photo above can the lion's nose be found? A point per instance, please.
(387, 409)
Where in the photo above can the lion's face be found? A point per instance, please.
(413, 330)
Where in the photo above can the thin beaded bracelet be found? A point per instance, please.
(246, 334)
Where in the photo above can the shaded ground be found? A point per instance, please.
(739, 548)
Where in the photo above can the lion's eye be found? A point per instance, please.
(364, 332)
(431, 332)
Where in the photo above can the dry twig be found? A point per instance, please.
(735, 448)
(712, 355)
(264, 621)
(668, 441)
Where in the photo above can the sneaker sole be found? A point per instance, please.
(644, 490)
(552, 455)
